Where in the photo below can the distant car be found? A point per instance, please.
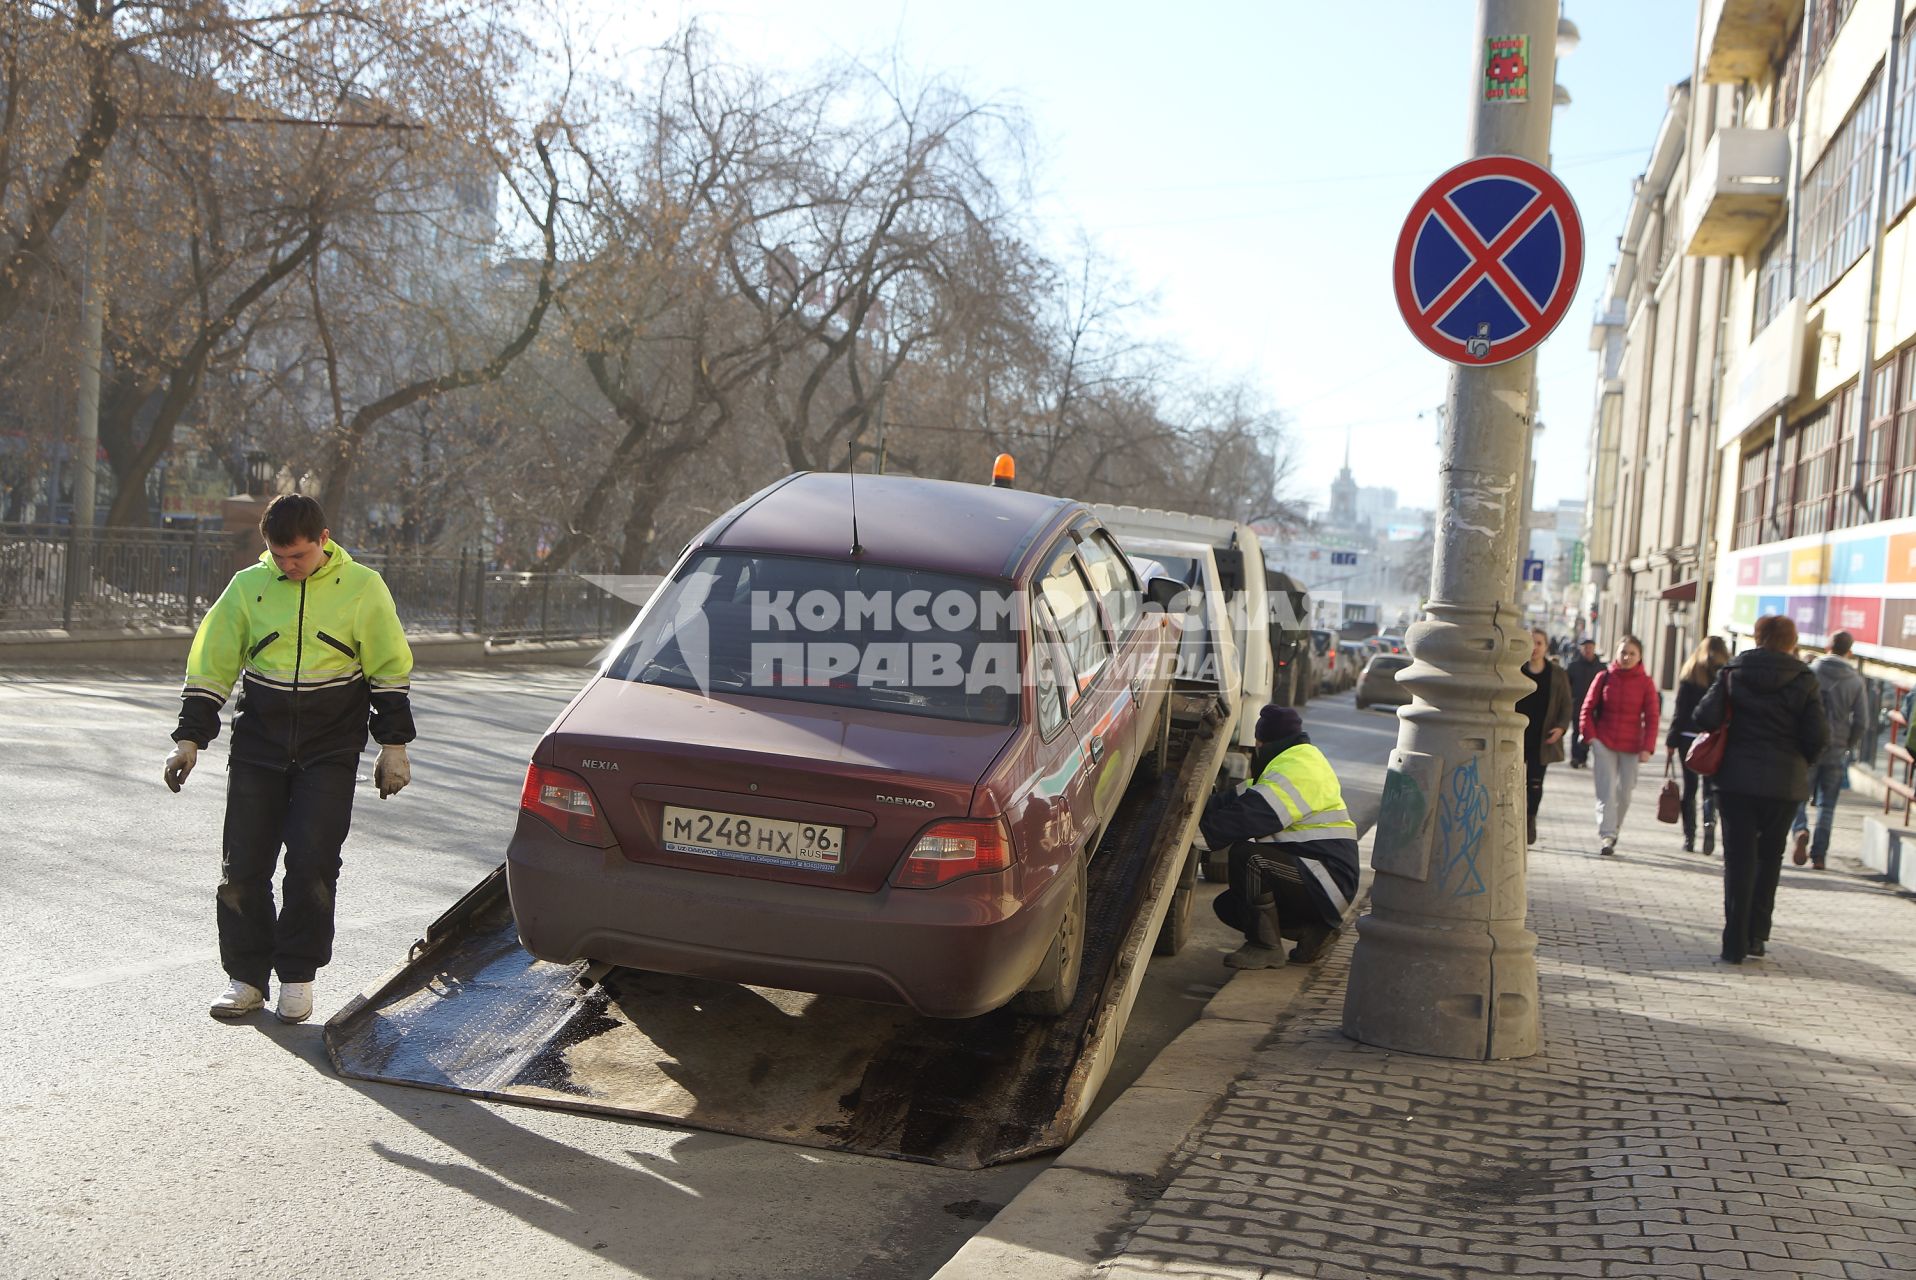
(1388, 644)
(1324, 657)
(870, 764)
(1351, 657)
(1378, 686)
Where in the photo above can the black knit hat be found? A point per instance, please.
(1275, 723)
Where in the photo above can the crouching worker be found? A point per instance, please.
(1293, 848)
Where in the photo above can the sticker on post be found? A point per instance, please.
(1507, 69)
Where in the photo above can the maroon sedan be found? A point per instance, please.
(870, 764)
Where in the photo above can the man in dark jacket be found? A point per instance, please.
(1774, 709)
(1846, 705)
(1293, 848)
(314, 643)
(1582, 669)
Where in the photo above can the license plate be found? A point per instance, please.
(733, 835)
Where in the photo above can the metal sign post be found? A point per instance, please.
(1444, 964)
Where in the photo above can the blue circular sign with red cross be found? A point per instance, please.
(1488, 260)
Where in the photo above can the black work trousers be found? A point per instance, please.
(1755, 829)
(307, 809)
(1267, 900)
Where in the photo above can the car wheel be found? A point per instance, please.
(1362, 705)
(1051, 989)
(1176, 929)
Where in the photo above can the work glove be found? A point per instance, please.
(180, 763)
(392, 772)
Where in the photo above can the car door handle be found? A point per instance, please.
(1096, 747)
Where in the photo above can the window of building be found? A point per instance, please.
(1751, 484)
(1902, 120)
(1901, 451)
(1882, 428)
(1772, 279)
(1812, 471)
(1827, 17)
(1783, 101)
(1836, 197)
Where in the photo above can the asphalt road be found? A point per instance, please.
(145, 1138)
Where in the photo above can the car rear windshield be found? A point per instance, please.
(1389, 662)
(827, 631)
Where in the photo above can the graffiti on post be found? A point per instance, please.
(1466, 815)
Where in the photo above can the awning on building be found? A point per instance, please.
(1684, 591)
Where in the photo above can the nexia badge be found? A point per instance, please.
(1507, 69)
(613, 765)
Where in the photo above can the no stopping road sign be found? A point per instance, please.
(1488, 260)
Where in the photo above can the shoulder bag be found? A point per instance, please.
(1670, 799)
(1705, 755)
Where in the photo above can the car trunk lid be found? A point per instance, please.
(676, 770)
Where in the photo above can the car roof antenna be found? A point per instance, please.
(851, 474)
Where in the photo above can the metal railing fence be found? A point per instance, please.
(56, 577)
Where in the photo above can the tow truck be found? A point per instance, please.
(470, 1011)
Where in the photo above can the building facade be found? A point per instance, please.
(1786, 196)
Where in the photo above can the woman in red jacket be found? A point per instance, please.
(1619, 721)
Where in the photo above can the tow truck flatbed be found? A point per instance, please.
(472, 1012)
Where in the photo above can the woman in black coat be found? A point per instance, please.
(1777, 727)
(1698, 674)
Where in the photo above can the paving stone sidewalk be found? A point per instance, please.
(1683, 1119)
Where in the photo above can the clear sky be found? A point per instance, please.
(1250, 164)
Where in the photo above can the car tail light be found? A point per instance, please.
(948, 850)
(564, 802)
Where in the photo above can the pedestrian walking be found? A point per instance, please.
(1583, 668)
(1547, 711)
(1709, 658)
(1293, 848)
(1774, 709)
(1846, 707)
(315, 645)
(1619, 718)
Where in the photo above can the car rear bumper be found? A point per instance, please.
(953, 952)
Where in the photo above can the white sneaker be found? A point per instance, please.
(238, 1000)
(295, 1002)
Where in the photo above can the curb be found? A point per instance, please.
(1075, 1214)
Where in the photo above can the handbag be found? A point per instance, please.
(1705, 755)
(1670, 799)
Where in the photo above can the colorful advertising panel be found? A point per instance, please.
(1859, 562)
(1744, 613)
(1902, 558)
(1749, 571)
(1807, 613)
(1899, 624)
(1776, 569)
(1809, 566)
(1861, 616)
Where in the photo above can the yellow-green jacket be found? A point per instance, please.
(318, 663)
(1297, 807)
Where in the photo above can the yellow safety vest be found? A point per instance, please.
(1301, 788)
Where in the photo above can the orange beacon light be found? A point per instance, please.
(1003, 472)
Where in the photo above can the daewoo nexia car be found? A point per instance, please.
(864, 759)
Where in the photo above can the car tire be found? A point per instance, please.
(1176, 929)
(1051, 989)
(1362, 705)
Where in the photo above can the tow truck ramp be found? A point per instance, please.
(472, 1012)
